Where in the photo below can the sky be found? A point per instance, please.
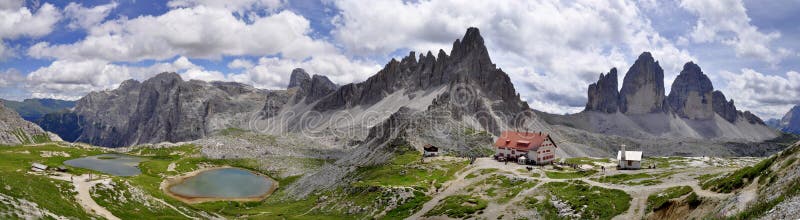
(552, 50)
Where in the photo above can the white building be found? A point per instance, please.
(525, 147)
(629, 160)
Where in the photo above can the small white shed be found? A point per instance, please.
(629, 160)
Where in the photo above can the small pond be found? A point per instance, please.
(223, 183)
(114, 164)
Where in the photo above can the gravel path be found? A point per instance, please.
(83, 184)
(638, 193)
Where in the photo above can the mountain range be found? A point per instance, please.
(425, 99)
(33, 109)
(693, 109)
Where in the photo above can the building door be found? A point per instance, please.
(630, 163)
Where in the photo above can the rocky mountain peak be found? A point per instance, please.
(311, 88)
(603, 94)
(643, 87)
(165, 77)
(471, 45)
(468, 63)
(690, 96)
(129, 83)
(726, 109)
(299, 76)
(790, 122)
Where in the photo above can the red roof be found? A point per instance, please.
(522, 140)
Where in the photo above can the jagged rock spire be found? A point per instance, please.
(299, 77)
(603, 94)
(643, 87)
(691, 94)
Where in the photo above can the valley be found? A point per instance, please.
(408, 186)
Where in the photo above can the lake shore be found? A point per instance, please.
(171, 181)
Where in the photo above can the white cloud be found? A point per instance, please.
(11, 4)
(239, 6)
(766, 95)
(727, 22)
(196, 32)
(18, 21)
(66, 79)
(240, 64)
(82, 17)
(552, 50)
(273, 73)
(11, 78)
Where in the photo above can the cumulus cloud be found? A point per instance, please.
(727, 22)
(766, 95)
(18, 21)
(550, 47)
(238, 6)
(196, 32)
(240, 64)
(273, 73)
(82, 17)
(11, 78)
(67, 79)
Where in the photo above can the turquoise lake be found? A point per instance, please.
(114, 164)
(223, 183)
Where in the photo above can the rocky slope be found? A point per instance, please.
(310, 88)
(163, 108)
(790, 122)
(14, 130)
(33, 109)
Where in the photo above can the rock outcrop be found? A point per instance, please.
(310, 88)
(14, 130)
(643, 87)
(162, 108)
(790, 123)
(298, 78)
(692, 110)
(603, 95)
(725, 109)
(691, 94)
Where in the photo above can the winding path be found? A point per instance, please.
(83, 184)
(639, 193)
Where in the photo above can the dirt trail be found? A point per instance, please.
(638, 193)
(83, 184)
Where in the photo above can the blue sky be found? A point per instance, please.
(552, 50)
